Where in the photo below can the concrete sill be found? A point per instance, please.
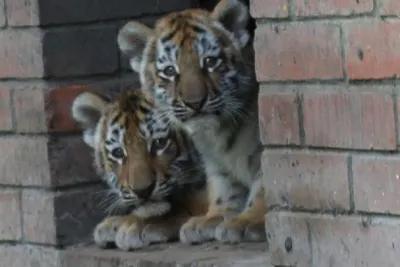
(171, 255)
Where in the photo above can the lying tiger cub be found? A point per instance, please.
(154, 169)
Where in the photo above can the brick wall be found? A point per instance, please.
(50, 51)
(329, 98)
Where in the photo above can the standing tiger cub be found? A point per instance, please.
(153, 169)
(199, 64)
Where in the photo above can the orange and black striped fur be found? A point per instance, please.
(152, 169)
(199, 64)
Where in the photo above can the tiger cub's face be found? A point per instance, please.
(136, 151)
(192, 59)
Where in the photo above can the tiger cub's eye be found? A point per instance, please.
(160, 143)
(118, 153)
(169, 71)
(211, 62)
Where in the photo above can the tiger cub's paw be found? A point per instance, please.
(200, 229)
(241, 229)
(129, 237)
(137, 236)
(106, 231)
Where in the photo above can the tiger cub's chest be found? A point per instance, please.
(229, 150)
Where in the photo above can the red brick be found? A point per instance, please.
(23, 12)
(325, 240)
(398, 118)
(6, 123)
(372, 49)
(33, 256)
(376, 183)
(359, 120)
(60, 218)
(279, 121)
(21, 53)
(26, 161)
(307, 180)
(298, 51)
(390, 7)
(58, 103)
(270, 9)
(305, 8)
(38, 109)
(10, 214)
(2, 14)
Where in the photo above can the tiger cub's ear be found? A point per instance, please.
(132, 39)
(87, 110)
(234, 16)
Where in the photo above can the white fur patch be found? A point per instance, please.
(135, 65)
(152, 209)
(145, 60)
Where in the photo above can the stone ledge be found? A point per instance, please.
(172, 255)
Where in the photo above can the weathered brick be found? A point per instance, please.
(298, 51)
(35, 12)
(10, 214)
(304, 8)
(75, 11)
(39, 109)
(325, 240)
(390, 7)
(26, 161)
(33, 256)
(376, 180)
(279, 120)
(60, 218)
(171, 5)
(175, 254)
(6, 123)
(270, 9)
(23, 12)
(71, 162)
(80, 51)
(306, 180)
(21, 53)
(358, 120)
(2, 14)
(45, 161)
(38, 216)
(29, 106)
(372, 49)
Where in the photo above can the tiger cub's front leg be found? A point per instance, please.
(226, 199)
(249, 225)
(105, 232)
(132, 232)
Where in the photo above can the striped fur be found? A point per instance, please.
(199, 64)
(151, 168)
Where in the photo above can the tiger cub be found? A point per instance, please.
(200, 64)
(154, 169)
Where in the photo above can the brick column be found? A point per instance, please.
(51, 51)
(328, 73)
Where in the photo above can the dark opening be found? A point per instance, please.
(210, 4)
